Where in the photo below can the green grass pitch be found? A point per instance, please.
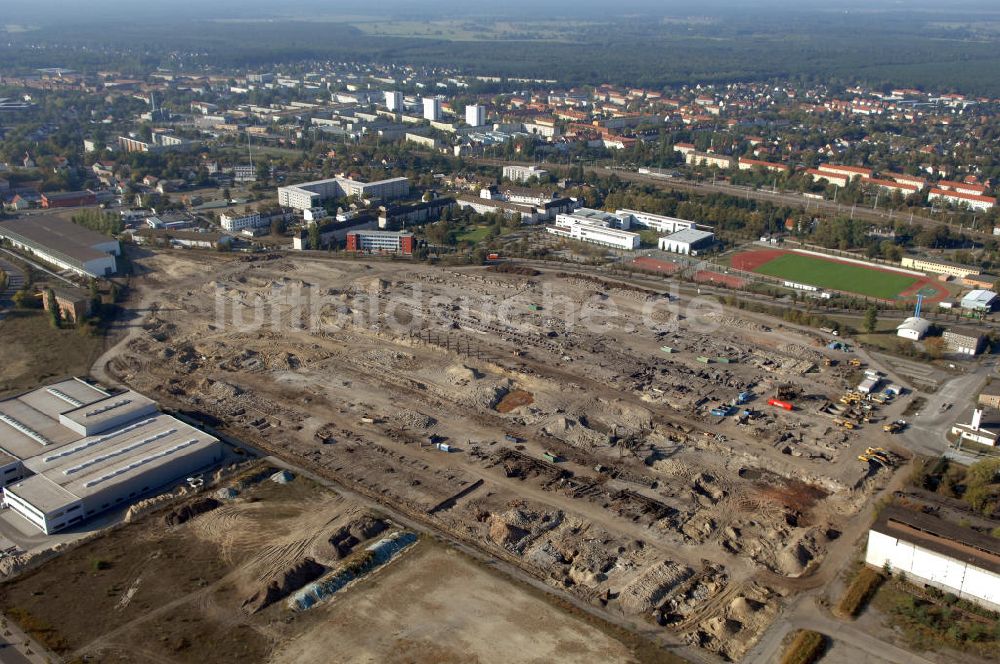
(837, 276)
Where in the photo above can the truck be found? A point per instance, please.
(894, 427)
(780, 404)
(720, 411)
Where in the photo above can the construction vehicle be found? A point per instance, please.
(880, 455)
(827, 362)
(854, 362)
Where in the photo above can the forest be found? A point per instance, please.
(879, 49)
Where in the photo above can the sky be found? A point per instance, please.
(55, 13)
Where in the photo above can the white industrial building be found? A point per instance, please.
(933, 552)
(913, 328)
(687, 241)
(475, 115)
(72, 450)
(310, 194)
(979, 300)
(63, 244)
(596, 227)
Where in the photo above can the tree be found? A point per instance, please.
(934, 347)
(25, 299)
(55, 314)
(315, 239)
(277, 226)
(871, 320)
(95, 298)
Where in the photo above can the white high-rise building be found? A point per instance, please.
(432, 109)
(394, 101)
(475, 115)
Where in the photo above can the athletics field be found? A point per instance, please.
(833, 274)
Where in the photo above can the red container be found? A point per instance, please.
(780, 404)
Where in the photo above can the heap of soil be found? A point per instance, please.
(190, 510)
(345, 539)
(298, 575)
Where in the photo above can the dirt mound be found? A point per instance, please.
(515, 399)
(792, 561)
(742, 609)
(459, 374)
(298, 575)
(346, 538)
(190, 510)
(505, 534)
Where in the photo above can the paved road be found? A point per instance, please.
(14, 651)
(804, 614)
(927, 431)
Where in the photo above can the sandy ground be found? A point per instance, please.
(434, 605)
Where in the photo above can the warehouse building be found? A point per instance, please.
(68, 199)
(688, 241)
(310, 194)
(63, 244)
(933, 552)
(72, 450)
(913, 328)
(979, 300)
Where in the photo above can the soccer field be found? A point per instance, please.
(837, 276)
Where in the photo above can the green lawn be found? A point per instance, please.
(837, 276)
(474, 234)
